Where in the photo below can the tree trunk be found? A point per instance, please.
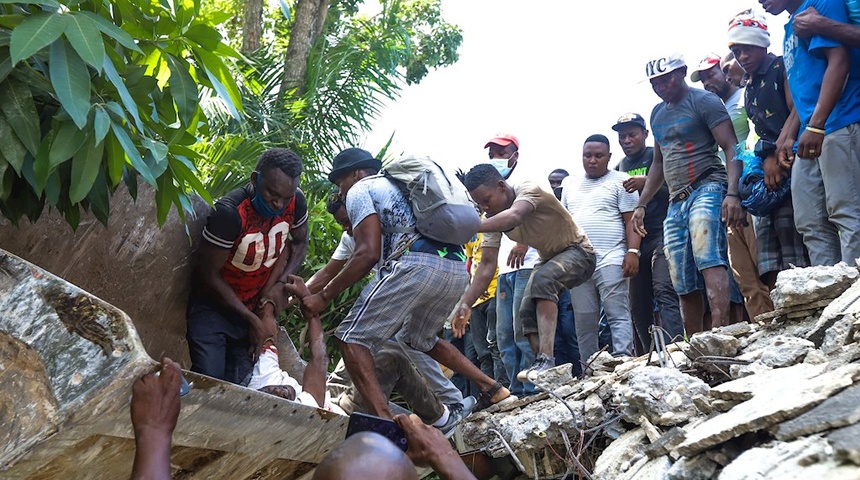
(252, 26)
(307, 26)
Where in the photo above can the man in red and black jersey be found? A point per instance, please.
(254, 238)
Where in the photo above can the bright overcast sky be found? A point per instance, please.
(552, 73)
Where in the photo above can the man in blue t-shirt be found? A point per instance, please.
(703, 194)
(824, 80)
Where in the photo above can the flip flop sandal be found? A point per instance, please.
(484, 399)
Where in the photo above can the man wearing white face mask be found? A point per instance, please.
(516, 262)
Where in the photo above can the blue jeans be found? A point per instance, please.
(465, 345)
(516, 352)
(566, 347)
(483, 327)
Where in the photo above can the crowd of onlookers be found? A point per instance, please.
(754, 173)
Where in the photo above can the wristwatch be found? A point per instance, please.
(634, 250)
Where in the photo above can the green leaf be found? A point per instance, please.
(158, 149)
(49, 3)
(222, 81)
(41, 166)
(185, 171)
(7, 177)
(13, 150)
(85, 38)
(132, 152)
(164, 196)
(99, 198)
(156, 168)
(85, 168)
(110, 29)
(204, 35)
(16, 103)
(5, 63)
(124, 94)
(66, 143)
(10, 22)
(53, 188)
(101, 123)
(35, 33)
(184, 12)
(115, 156)
(71, 80)
(183, 88)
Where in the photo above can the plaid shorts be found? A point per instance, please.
(411, 298)
(779, 244)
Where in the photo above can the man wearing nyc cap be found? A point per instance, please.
(652, 283)
(824, 81)
(743, 253)
(703, 196)
(767, 104)
(256, 236)
(416, 286)
(516, 262)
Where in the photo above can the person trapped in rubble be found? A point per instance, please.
(254, 238)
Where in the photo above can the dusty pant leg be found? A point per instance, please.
(586, 315)
(436, 380)
(396, 374)
(840, 172)
(743, 258)
(810, 213)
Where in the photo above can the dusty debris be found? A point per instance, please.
(772, 399)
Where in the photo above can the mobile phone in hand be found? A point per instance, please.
(363, 422)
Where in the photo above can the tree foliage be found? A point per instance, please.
(100, 92)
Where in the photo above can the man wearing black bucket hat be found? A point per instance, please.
(416, 285)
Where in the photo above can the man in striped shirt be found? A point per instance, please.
(599, 203)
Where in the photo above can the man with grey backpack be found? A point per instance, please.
(409, 222)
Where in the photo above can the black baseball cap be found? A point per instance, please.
(633, 118)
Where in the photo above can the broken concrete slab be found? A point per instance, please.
(669, 404)
(839, 333)
(648, 469)
(786, 351)
(846, 443)
(594, 411)
(801, 286)
(799, 460)
(666, 443)
(781, 395)
(621, 451)
(699, 467)
(713, 345)
(837, 411)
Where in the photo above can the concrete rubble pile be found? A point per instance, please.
(778, 398)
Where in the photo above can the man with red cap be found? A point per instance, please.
(741, 239)
(515, 262)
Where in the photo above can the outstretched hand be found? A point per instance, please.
(154, 412)
(461, 320)
(155, 400)
(429, 448)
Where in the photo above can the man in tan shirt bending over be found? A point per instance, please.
(527, 214)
